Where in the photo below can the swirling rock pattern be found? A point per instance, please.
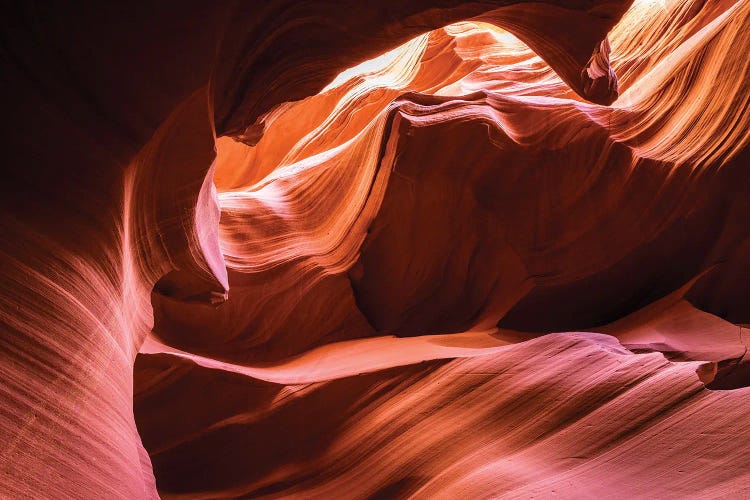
(398, 249)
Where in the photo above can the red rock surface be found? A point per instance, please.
(390, 249)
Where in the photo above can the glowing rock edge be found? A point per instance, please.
(492, 249)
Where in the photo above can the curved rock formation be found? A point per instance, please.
(556, 416)
(474, 249)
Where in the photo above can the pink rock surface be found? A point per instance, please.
(381, 249)
(565, 415)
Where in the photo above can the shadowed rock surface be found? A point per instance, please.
(391, 249)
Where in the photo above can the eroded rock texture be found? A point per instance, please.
(375, 249)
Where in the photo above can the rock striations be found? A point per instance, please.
(494, 249)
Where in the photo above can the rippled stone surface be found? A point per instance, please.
(487, 249)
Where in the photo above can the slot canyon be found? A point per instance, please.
(375, 249)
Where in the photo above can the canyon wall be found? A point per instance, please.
(395, 249)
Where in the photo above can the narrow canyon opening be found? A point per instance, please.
(435, 202)
(376, 250)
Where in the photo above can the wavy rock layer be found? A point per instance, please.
(303, 279)
(562, 415)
